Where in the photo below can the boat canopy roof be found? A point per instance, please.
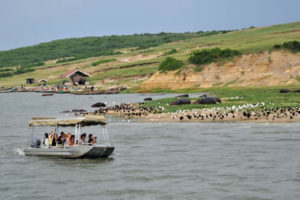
(87, 120)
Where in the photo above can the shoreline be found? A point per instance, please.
(259, 114)
(66, 90)
(173, 117)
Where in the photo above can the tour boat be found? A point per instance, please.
(101, 150)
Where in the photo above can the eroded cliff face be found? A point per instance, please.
(265, 69)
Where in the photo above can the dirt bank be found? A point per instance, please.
(264, 69)
(190, 116)
(236, 117)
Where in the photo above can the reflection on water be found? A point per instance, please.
(151, 160)
(79, 163)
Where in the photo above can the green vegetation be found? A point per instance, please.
(207, 56)
(103, 61)
(293, 46)
(22, 70)
(172, 51)
(6, 70)
(270, 96)
(5, 74)
(170, 64)
(214, 32)
(125, 73)
(253, 40)
(92, 49)
(198, 68)
(65, 60)
(34, 64)
(247, 40)
(80, 48)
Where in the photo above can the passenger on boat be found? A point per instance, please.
(69, 140)
(55, 139)
(46, 140)
(82, 139)
(92, 139)
(73, 139)
(51, 136)
(61, 139)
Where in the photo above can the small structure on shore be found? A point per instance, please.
(43, 82)
(77, 77)
(30, 81)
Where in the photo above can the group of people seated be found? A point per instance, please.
(52, 139)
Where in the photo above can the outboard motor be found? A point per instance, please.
(35, 143)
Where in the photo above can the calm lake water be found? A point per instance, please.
(152, 160)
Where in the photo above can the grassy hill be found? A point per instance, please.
(132, 59)
(79, 48)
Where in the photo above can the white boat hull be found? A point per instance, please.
(71, 151)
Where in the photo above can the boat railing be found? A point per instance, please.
(65, 146)
(36, 141)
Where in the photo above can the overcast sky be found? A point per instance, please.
(28, 22)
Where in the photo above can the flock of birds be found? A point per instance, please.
(242, 112)
(129, 110)
(219, 114)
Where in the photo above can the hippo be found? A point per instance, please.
(148, 99)
(181, 101)
(183, 95)
(208, 100)
(98, 105)
(296, 90)
(284, 91)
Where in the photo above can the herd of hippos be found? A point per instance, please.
(137, 110)
(204, 99)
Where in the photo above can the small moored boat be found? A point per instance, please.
(47, 94)
(35, 148)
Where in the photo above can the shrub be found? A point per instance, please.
(65, 60)
(145, 46)
(198, 69)
(103, 61)
(172, 51)
(277, 46)
(6, 70)
(207, 56)
(22, 70)
(170, 64)
(293, 46)
(5, 74)
(33, 64)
